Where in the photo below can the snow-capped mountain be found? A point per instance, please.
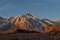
(27, 22)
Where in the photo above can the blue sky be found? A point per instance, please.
(49, 9)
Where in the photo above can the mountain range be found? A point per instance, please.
(28, 23)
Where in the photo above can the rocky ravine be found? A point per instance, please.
(28, 23)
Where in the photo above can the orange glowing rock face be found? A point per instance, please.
(28, 22)
(51, 29)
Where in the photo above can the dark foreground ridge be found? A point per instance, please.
(29, 36)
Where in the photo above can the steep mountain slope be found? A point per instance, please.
(28, 22)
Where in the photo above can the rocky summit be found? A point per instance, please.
(28, 23)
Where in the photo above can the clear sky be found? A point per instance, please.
(49, 9)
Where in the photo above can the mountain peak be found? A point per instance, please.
(27, 22)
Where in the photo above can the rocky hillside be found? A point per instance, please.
(28, 23)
